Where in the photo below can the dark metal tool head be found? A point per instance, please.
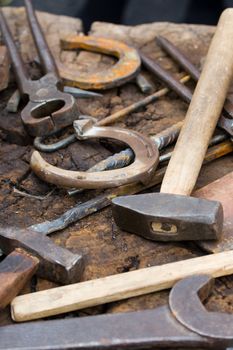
(193, 315)
(168, 217)
(56, 263)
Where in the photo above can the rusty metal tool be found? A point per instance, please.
(183, 91)
(34, 253)
(142, 169)
(172, 215)
(125, 69)
(190, 68)
(13, 102)
(175, 325)
(48, 108)
(116, 287)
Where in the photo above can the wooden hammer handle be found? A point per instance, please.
(15, 270)
(117, 287)
(204, 111)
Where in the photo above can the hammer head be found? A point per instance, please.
(56, 263)
(168, 217)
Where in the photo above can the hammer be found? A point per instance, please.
(30, 251)
(171, 215)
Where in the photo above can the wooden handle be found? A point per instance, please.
(203, 112)
(117, 287)
(15, 270)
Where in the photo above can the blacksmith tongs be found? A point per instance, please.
(48, 108)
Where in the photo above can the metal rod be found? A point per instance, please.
(179, 57)
(38, 143)
(190, 68)
(147, 329)
(44, 52)
(135, 106)
(166, 77)
(16, 60)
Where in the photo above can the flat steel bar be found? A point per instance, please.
(133, 330)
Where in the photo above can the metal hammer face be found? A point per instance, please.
(168, 217)
(56, 263)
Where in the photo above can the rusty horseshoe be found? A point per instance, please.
(142, 169)
(125, 69)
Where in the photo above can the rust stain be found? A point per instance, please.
(124, 70)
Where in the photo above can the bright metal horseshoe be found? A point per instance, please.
(124, 70)
(142, 169)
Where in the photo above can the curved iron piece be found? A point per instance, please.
(124, 70)
(142, 169)
(39, 144)
(185, 301)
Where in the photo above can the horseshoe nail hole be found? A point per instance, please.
(47, 108)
